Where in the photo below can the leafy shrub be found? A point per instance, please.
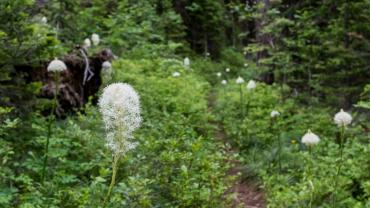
(257, 135)
(177, 163)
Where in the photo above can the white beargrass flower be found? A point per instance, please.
(106, 71)
(56, 66)
(342, 118)
(95, 39)
(310, 139)
(44, 20)
(120, 107)
(106, 65)
(219, 74)
(224, 82)
(239, 80)
(251, 85)
(186, 62)
(274, 113)
(176, 74)
(227, 69)
(246, 65)
(87, 43)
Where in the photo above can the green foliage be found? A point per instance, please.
(24, 43)
(206, 25)
(365, 98)
(311, 55)
(313, 48)
(177, 163)
(257, 135)
(138, 25)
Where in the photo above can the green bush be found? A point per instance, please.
(257, 136)
(177, 162)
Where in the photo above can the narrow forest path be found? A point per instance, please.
(247, 193)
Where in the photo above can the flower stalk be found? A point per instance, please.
(339, 164)
(342, 119)
(274, 116)
(120, 108)
(250, 87)
(310, 139)
(241, 101)
(240, 82)
(56, 66)
(310, 177)
(279, 152)
(113, 179)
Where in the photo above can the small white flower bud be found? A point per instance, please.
(227, 69)
(176, 74)
(342, 118)
(310, 139)
(87, 43)
(251, 85)
(106, 65)
(219, 74)
(239, 80)
(274, 113)
(95, 39)
(106, 71)
(224, 82)
(44, 20)
(186, 62)
(56, 66)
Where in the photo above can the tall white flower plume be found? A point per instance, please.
(224, 82)
(186, 62)
(239, 80)
(251, 85)
(56, 66)
(342, 118)
(95, 39)
(227, 69)
(274, 113)
(219, 74)
(310, 139)
(120, 107)
(87, 43)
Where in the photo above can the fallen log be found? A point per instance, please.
(78, 84)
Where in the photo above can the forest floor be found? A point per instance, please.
(247, 192)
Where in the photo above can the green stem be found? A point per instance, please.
(224, 96)
(46, 149)
(279, 152)
(339, 165)
(113, 180)
(311, 196)
(310, 162)
(48, 136)
(248, 103)
(310, 176)
(241, 100)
